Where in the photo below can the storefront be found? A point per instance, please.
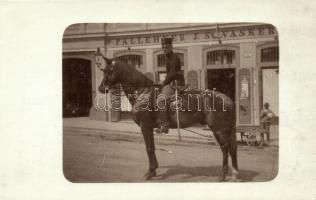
(240, 60)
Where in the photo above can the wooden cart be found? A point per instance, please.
(251, 135)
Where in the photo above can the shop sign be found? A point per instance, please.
(198, 36)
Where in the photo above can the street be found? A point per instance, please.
(109, 157)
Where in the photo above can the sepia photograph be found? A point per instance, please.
(151, 100)
(170, 102)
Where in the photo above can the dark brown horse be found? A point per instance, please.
(207, 107)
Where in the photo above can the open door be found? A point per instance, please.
(223, 80)
(77, 88)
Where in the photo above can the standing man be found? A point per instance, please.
(265, 118)
(173, 68)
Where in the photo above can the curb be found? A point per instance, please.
(166, 137)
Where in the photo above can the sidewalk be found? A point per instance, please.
(129, 127)
(195, 133)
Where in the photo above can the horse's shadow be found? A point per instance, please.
(191, 172)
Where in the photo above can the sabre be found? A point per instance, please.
(177, 110)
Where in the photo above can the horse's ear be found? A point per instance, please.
(107, 60)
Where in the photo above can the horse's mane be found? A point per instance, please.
(130, 75)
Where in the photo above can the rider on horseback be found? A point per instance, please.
(173, 68)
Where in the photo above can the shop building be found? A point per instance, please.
(238, 59)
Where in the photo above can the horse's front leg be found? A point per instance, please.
(150, 149)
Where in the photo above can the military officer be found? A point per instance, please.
(173, 68)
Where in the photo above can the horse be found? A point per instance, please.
(206, 107)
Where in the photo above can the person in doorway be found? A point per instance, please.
(173, 68)
(265, 119)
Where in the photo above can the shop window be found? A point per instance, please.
(270, 54)
(161, 59)
(220, 57)
(135, 60)
(269, 57)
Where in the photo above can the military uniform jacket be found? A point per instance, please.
(173, 67)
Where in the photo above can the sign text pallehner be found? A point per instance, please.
(198, 36)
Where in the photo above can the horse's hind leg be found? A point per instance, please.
(220, 137)
(233, 155)
(150, 149)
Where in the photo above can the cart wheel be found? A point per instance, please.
(251, 139)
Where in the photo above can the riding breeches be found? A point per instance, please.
(164, 97)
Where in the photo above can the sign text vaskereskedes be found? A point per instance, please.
(198, 36)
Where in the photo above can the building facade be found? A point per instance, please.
(238, 59)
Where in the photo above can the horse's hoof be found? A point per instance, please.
(235, 175)
(236, 180)
(221, 178)
(149, 174)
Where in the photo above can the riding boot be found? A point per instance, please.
(164, 122)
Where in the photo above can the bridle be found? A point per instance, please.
(108, 69)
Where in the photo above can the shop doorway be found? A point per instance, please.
(223, 80)
(77, 88)
(270, 88)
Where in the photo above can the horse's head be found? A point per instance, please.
(110, 75)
